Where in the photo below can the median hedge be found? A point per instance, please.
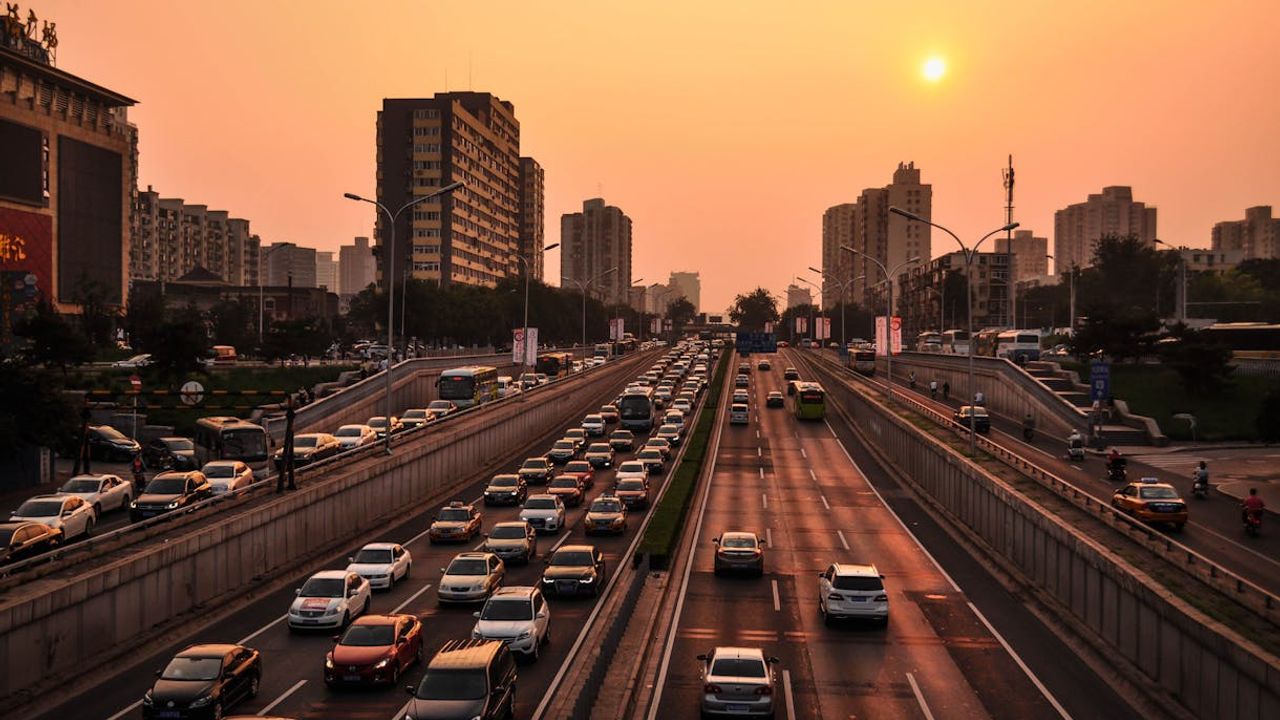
(660, 538)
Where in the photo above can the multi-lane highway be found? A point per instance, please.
(292, 683)
(956, 644)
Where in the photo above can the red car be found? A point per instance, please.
(582, 470)
(375, 649)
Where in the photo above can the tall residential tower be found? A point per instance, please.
(592, 242)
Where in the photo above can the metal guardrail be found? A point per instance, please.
(1243, 591)
(10, 573)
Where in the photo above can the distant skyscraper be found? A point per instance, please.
(357, 267)
(1077, 228)
(837, 264)
(689, 286)
(326, 271)
(889, 238)
(1256, 236)
(288, 263)
(533, 223)
(1030, 254)
(798, 295)
(423, 144)
(172, 237)
(592, 242)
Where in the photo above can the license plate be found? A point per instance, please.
(351, 678)
(857, 599)
(308, 621)
(737, 708)
(563, 586)
(168, 714)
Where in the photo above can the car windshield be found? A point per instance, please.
(216, 472)
(608, 409)
(535, 464)
(468, 566)
(857, 582)
(650, 454)
(82, 485)
(453, 685)
(373, 557)
(631, 467)
(507, 610)
(414, 415)
(738, 541)
(39, 508)
(565, 445)
(631, 484)
(110, 433)
(305, 441)
(571, 558)
(179, 444)
(166, 486)
(737, 667)
(369, 636)
(1158, 493)
(565, 482)
(440, 405)
(504, 481)
(189, 668)
(622, 435)
(454, 515)
(350, 431)
(606, 506)
(578, 466)
(323, 588)
(6, 536)
(593, 419)
(540, 504)
(508, 532)
(377, 422)
(599, 448)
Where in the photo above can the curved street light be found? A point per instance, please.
(582, 287)
(524, 350)
(889, 274)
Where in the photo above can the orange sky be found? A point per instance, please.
(724, 129)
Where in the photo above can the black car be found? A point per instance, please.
(107, 443)
(775, 400)
(536, 470)
(170, 453)
(170, 491)
(19, 540)
(309, 448)
(563, 451)
(202, 681)
(574, 570)
(506, 489)
(466, 680)
(981, 420)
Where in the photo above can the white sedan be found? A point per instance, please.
(69, 514)
(351, 436)
(632, 470)
(102, 492)
(330, 599)
(382, 564)
(544, 512)
(227, 475)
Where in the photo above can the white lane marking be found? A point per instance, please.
(768, 537)
(761, 473)
(789, 701)
(245, 640)
(1078, 467)
(410, 599)
(480, 545)
(777, 602)
(813, 475)
(924, 706)
(126, 711)
(764, 500)
(757, 434)
(825, 504)
(280, 699)
(561, 540)
(759, 452)
(1062, 712)
(1008, 648)
(843, 542)
(804, 454)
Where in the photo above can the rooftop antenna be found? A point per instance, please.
(1010, 286)
(469, 85)
(446, 79)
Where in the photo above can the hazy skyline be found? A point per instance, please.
(724, 129)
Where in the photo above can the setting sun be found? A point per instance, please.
(934, 69)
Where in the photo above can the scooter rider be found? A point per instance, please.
(933, 389)
(1251, 509)
(1200, 477)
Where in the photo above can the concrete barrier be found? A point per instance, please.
(1183, 656)
(53, 628)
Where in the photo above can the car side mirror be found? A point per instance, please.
(335, 638)
(882, 577)
(408, 689)
(715, 541)
(703, 658)
(542, 613)
(158, 672)
(351, 558)
(353, 592)
(773, 660)
(442, 570)
(297, 591)
(476, 614)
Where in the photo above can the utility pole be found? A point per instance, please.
(1010, 290)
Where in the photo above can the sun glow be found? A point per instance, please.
(934, 68)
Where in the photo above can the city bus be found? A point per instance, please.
(929, 342)
(554, 364)
(955, 342)
(469, 386)
(864, 362)
(231, 438)
(636, 409)
(1015, 344)
(811, 401)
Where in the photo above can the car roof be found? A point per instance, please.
(52, 496)
(542, 496)
(380, 546)
(856, 570)
(470, 654)
(378, 619)
(522, 592)
(329, 575)
(513, 523)
(576, 548)
(740, 653)
(739, 534)
(472, 556)
(235, 462)
(207, 650)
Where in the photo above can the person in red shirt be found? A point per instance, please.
(1253, 503)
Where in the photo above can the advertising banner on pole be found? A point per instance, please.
(882, 336)
(655, 326)
(802, 325)
(531, 346)
(823, 328)
(768, 327)
(616, 328)
(895, 334)
(517, 346)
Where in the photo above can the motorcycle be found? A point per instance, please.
(1199, 487)
(1075, 449)
(1028, 433)
(1252, 521)
(1116, 471)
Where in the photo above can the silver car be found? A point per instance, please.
(737, 681)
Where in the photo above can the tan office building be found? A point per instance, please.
(689, 286)
(1030, 254)
(172, 237)
(837, 264)
(533, 221)
(1077, 228)
(1256, 236)
(591, 243)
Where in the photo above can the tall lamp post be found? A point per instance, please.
(524, 351)
(627, 301)
(969, 254)
(889, 274)
(582, 287)
(1182, 280)
(813, 328)
(844, 289)
(390, 283)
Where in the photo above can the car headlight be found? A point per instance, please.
(328, 662)
(201, 702)
(147, 699)
(586, 580)
(477, 588)
(382, 664)
(133, 504)
(523, 636)
(173, 505)
(548, 580)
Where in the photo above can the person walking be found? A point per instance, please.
(946, 390)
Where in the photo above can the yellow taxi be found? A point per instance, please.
(1151, 501)
(457, 522)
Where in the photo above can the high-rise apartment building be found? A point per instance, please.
(837, 263)
(289, 264)
(1030, 254)
(922, 302)
(532, 217)
(357, 267)
(689, 286)
(327, 272)
(424, 144)
(1077, 228)
(1256, 236)
(172, 237)
(798, 295)
(591, 243)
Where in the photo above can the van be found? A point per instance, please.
(223, 354)
(466, 679)
(507, 386)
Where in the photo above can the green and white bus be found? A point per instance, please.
(469, 386)
(810, 401)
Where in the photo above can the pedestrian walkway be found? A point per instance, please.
(1180, 463)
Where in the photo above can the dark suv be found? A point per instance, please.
(466, 679)
(168, 492)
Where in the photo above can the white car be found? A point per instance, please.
(848, 590)
(382, 564)
(670, 433)
(518, 616)
(227, 475)
(683, 405)
(102, 492)
(543, 512)
(69, 514)
(135, 362)
(632, 469)
(351, 436)
(330, 599)
(470, 577)
(594, 425)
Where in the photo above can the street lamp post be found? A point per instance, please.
(844, 300)
(889, 274)
(1182, 281)
(813, 327)
(617, 310)
(524, 349)
(969, 254)
(390, 281)
(582, 287)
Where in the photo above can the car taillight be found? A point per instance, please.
(764, 690)
(711, 689)
(882, 598)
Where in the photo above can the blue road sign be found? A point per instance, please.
(1099, 380)
(760, 342)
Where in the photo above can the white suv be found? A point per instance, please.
(382, 564)
(846, 590)
(518, 616)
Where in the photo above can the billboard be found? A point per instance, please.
(90, 217)
(823, 328)
(895, 340)
(25, 175)
(524, 346)
(802, 325)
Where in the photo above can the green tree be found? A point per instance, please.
(1268, 420)
(145, 312)
(680, 312)
(54, 342)
(233, 322)
(753, 310)
(97, 316)
(176, 346)
(307, 338)
(47, 418)
(1203, 364)
(1119, 334)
